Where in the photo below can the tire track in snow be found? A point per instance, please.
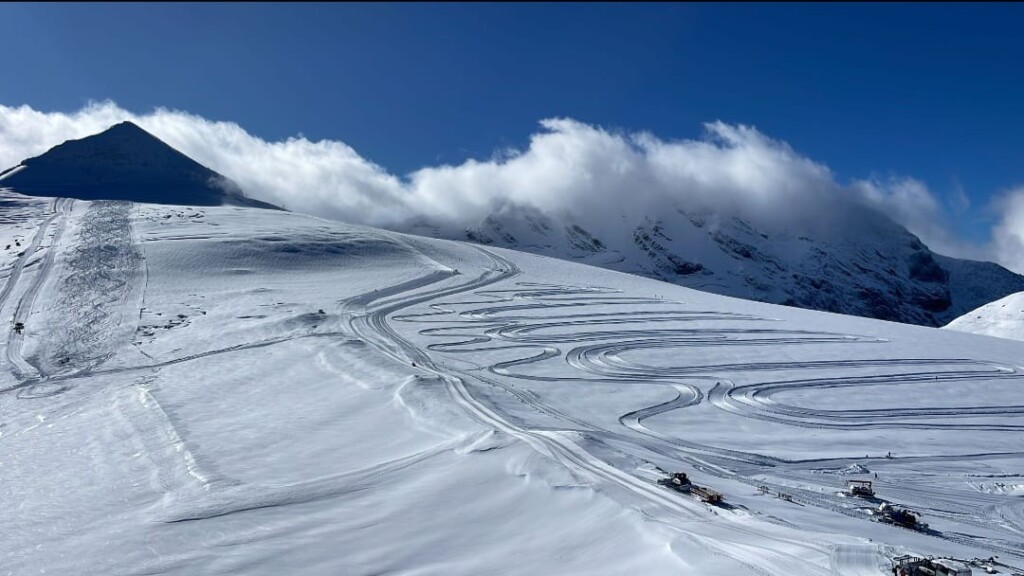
(19, 264)
(22, 368)
(557, 445)
(489, 326)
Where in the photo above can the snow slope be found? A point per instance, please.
(123, 163)
(228, 390)
(846, 259)
(1003, 318)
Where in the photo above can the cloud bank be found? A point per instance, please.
(1008, 234)
(568, 168)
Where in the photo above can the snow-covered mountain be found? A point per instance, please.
(123, 163)
(224, 390)
(855, 261)
(848, 259)
(232, 390)
(1003, 318)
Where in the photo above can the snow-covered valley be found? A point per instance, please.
(233, 390)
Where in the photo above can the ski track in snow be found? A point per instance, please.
(22, 368)
(506, 327)
(559, 447)
(576, 333)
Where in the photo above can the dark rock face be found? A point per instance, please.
(923, 267)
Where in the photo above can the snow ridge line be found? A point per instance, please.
(150, 403)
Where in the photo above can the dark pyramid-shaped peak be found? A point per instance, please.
(128, 124)
(128, 131)
(124, 162)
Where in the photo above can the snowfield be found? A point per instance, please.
(1003, 318)
(231, 390)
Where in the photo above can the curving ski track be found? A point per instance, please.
(560, 445)
(578, 329)
(539, 323)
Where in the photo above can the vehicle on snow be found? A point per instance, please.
(677, 481)
(916, 566)
(860, 488)
(889, 514)
(680, 482)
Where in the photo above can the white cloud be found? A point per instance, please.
(581, 170)
(909, 202)
(25, 132)
(1008, 234)
(568, 168)
(325, 178)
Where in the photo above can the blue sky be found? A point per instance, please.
(928, 91)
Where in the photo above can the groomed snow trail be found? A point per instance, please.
(501, 322)
(564, 446)
(22, 368)
(287, 380)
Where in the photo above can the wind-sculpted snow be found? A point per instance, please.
(320, 398)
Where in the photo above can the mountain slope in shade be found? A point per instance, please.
(1003, 318)
(123, 163)
(855, 261)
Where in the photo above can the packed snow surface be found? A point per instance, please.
(1003, 318)
(228, 390)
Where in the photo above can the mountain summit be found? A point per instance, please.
(123, 163)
